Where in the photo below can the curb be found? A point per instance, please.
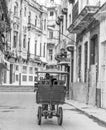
(96, 119)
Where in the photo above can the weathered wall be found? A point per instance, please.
(79, 92)
(92, 85)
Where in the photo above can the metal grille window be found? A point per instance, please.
(50, 54)
(30, 78)
(24, 78)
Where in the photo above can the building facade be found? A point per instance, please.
(87, 80)
(4, 34)
(52, 33)
(101, 17)
(26, 53)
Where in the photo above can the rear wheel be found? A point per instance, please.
(39, 115)
(60, 116)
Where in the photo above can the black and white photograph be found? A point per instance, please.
(52, 64)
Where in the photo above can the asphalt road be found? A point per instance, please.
(18, 111)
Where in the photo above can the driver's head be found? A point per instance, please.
(47, 76)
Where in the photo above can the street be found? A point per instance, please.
(18, 111)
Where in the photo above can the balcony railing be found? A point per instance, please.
(32, 26)
(70, 47)
(83, 19)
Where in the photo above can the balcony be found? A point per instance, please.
(60, 17)
(64, 10)
(62, 55)
(81, 21)
(33, 27)
(58, 57)
(58, 21)
(101, 14)
(70, 47)
(65, 62)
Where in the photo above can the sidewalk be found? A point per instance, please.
(91, 111)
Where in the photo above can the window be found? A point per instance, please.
(31, 70)
(24, 41)
(50, 54)
(36, 69)
(2, 17)
(24, 69)
(93, 50)
(24, 78)
(51, 34)
(35, 78)
(24, 11)
(30, 78)
(17, 78)
(51, 13)
(16, 9)
(44, 50)
(15, 39)
(70, 18)
(40, 49)
(36, 18)
(28, 45)
(45, 24)
(29, 17)
(50, 51)
(79, 63)
(17, 68)
(35, 47)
